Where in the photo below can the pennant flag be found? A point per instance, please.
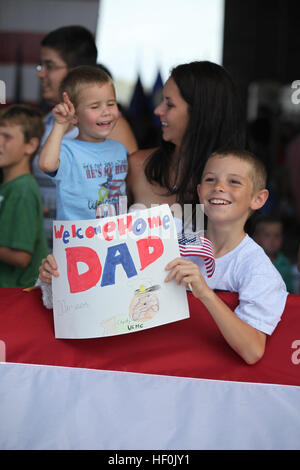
(155, 97)
(138, 105)
(140, 117)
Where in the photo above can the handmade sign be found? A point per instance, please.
(112, 274)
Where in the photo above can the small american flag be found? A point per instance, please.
(193, 244)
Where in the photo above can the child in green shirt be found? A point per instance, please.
(22, 238)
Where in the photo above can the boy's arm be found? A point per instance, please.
(17, 258)
(245, 340)
(64, 114)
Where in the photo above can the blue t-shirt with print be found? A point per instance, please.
(90, 179)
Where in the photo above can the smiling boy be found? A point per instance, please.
(22, 238)
(232, 187)
(90, 170)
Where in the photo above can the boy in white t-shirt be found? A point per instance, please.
(232, 186)
(89, 170)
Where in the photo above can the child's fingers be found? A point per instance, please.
(177, 261)
(180, 271)
(66, 97)
(184, 276)
(45, 276)
(61, 109)
(187, 281)
(172, 274)
(51, 261)
(67, 101)
(49, 267)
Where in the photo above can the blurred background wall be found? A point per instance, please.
(23, 23)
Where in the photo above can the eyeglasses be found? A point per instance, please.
(49, 67)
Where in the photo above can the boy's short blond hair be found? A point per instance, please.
(27, 117)
(258, 173)
(80, 77)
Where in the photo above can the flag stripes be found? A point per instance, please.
(199, 246)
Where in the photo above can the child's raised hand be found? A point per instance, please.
(187, 273)
(64, 112)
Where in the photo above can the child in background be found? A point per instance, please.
(232, 186)
(268, 234)
(90, 170)
(22, 239)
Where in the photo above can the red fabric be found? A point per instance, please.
(189, 348)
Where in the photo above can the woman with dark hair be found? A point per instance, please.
(199, 113)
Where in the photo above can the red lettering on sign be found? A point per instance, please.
(58, 233)
(87, 280)
(150, 249)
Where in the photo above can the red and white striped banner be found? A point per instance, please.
(179, 386)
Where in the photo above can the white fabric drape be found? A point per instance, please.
(46, 407)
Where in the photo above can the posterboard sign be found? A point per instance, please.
(112, 275)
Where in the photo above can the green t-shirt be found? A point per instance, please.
(21, 228)
(284, 266)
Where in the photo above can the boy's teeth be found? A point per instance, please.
(164, 123)
(219, 201)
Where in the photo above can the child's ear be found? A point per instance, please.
(259, 199)
(198, 190)
(32, 145)
(75, 120)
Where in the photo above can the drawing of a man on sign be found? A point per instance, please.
(112, 274)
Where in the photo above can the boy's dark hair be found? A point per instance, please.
(75, 44)
(258, 174)
(28, 118)
(80, 77)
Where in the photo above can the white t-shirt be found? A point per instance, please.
(248, 271)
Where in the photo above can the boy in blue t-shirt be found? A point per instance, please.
(90, 170)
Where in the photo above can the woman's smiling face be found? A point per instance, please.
(173, 112)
